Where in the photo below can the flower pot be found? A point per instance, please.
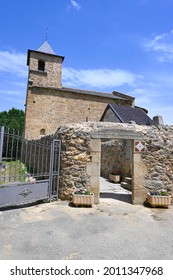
(114, 178)
(159, 200)
(83, 199)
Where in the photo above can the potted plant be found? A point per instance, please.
(159, 198)
(83, 197)
(115, 177)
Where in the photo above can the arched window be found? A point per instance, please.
(42, 131)
(41, 65)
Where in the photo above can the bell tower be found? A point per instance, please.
(45, 67)
(44, 75)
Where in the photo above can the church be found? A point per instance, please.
(50, 105)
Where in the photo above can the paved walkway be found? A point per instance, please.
(113, 191)
(114, 229)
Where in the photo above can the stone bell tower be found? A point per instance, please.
(45, 67)
(44, 75)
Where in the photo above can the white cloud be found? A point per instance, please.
(98, 78)
(152, 90)
(75, 5)
(14, 63)
(162, 45)
(13, 79)
(12, 92)
(11, 99)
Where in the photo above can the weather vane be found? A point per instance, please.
(46, 33)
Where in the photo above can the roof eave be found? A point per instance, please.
(29, 51)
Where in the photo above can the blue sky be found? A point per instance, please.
(122, 45)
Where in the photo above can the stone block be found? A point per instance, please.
(93, 169)
(96, 195)
(82, 157)
(95, 157)
(139, 196)
(95, 182)
(158, 120)
(137, 157)
(95, 145)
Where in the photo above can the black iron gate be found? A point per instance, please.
(29, 169)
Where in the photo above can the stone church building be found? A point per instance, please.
(50, 105)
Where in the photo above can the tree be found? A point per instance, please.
(13, 119)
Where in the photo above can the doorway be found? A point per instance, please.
(116, 169)
(131, 162)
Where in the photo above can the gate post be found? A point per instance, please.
(1, 142)
(139, 192)
(54, 168)
(51, 169)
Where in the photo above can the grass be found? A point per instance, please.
(13, 171)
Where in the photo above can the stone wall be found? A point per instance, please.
(53, 70)
(158, 158)
(116, 158)
(111, 157)
(76, 155)
(50, 108)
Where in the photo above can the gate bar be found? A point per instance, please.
(51, 170)
(59, 158)
(1, 142)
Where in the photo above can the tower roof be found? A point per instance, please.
(46, 48)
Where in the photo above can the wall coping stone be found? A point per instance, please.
(117, 134)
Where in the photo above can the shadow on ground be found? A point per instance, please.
(24, 205)
(122, 197)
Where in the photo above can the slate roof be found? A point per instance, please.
(126, 114)
(46, 48)
(89, 92)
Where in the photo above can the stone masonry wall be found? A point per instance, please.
(116, 158)
(53, 70)
(48, 109)
(76, 154)
(158, 158)
(111, 157)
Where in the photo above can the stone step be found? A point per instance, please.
(128, 180)
(126, 186)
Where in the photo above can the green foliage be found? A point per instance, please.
(83, 191)
(13, 171)
(159, 193)
(14, 119)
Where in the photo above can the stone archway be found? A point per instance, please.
(138, 168)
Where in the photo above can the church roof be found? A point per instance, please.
(46, 48)
(126, 114)
(92, 93)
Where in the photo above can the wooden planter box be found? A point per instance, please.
(83, 199)
(114, 178)
(159, 200)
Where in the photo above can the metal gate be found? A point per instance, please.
(29, 169)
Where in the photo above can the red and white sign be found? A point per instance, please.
(139, 146)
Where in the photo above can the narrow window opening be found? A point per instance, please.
(41, 65)
(42, 131)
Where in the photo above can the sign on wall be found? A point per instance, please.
(139, 146)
